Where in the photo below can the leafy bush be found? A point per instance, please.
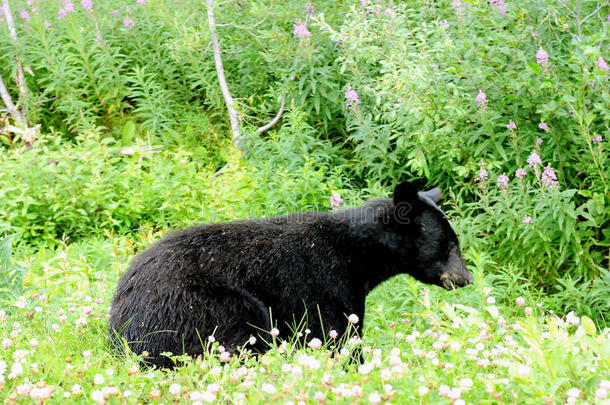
(444, 91)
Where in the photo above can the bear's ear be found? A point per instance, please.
(434, 194)
(405, 192)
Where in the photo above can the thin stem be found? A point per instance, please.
(10, 106)
(20, 76)
(237, 138)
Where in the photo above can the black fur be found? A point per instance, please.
(223, 278)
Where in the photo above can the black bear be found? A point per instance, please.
(226, 279)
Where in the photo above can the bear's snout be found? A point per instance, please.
(456, 275)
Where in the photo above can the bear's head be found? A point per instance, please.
(435, 256)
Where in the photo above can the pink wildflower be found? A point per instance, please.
(542, 58)
(539, 141)
(309, 9)
(500, 4)
(527, 219)
(543, 126)
(225, 357)
(315, 343)
(352, 98)
(300, 30)
(597, 139)
(534, 160)
(502, 181)
(353, 318)
(333, 334)
(520, 173)
(573, 393)
(481, 99)
(458, 6)
(483, 175)
(87, 5)
(601, 64)
(47, 24)
(128, 23)
(527, 310)
(274, 332)
(335, 200)
(549, 178)
(520, 301)
(25, 15)
(511, 125)
(115, 12)
(141, 2)
(68, 6)
(444, 24)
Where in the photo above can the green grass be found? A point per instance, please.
(477, 344)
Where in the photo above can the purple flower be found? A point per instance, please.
(483, 175)
(597, 139)
(543, 126)
(128, 23)
(115, 12)
(601, 64)
(335, 200)
(68, 6)
(538, 141)
(87, 5)
(511, 125)
(527, 219)
(300, 30)
(500, 4)
(542, 58)
(141, 2)
(481, 99)
(309, 10)
(62, 13)
(534, 160)
(549, 178)
(520, 173)
(444, 24)
(352, 98)
(502, 181)
(458, 6)
(47, 24)
(25, 15)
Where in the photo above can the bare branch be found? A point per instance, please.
(275, 119)
(242, 27)
(593, 13)
(20, 76)
(236, 52)
(222, 169)
(10, 106)
(234, 119)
